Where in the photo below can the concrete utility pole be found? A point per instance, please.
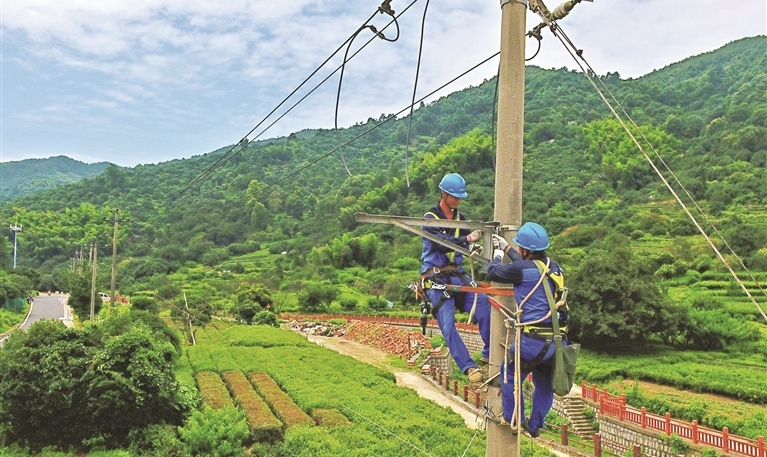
(114, 262)
(508, 193)
(93, 259)
(15, 229)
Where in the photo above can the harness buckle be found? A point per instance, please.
(435, 270)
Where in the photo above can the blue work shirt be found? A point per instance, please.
(436, 255)
(524, 275)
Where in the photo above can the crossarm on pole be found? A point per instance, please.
(411, 223)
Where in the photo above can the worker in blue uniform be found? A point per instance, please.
(441, 265)
(537, 350)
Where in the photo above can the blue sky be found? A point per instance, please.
(147, 81)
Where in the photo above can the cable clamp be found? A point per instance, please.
(385, 8)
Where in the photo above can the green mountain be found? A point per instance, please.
(31, 176)
(705, 116)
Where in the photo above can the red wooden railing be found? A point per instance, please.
(615, 406)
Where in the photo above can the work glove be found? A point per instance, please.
(474, 236)
(498, 253)
(500, 243)
(475, 248)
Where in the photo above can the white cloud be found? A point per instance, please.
(182, 77)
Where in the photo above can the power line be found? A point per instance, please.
(392, 116)
(389, 118)
(384, 10)
(225, 157)
(569, 46)
(415, 87)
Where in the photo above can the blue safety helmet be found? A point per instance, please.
(454, 184)
(532, 236)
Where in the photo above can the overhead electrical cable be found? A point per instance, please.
(326, 78)
(415, 87)
(392, 116)
(573, 51)
(385, 8)
(671, 172)
(389, 118)
(227, 154)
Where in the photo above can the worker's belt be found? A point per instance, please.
(438, 271)
(426, 282)
(544, 331)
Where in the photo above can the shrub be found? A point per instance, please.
(266, 318)
(407, 264)
(214, 257)
(157, 441)
(213, 390)
(282, 405)
(377, 304)
(263, 425)
(348, 303)
(144, 303)
(215, 433)
(317, 296)
(329, 418)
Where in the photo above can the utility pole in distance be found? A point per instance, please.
(114, 261)
(508, 193)
(15, 228)
(93, 259)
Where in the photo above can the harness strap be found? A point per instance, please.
(451, 254)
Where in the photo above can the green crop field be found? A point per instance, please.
(381, 419)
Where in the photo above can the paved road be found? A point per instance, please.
(46, 307)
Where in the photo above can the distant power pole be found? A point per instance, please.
(114, 261)
(93, 259)
(15, 229)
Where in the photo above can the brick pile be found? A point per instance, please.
(402, 343)
(317, 328)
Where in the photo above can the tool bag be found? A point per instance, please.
(565, 358)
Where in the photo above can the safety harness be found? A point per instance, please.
(544, 332)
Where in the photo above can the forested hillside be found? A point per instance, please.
(705, 116)
(31, 176)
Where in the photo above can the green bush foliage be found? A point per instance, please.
(215, 433)
(351, 387)
(329, 418)
(213, 390)
(80, 388)
(279, 402)
(263, 425)
(266, 318)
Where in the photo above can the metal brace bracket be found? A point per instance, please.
(411, 223)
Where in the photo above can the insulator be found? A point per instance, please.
(562, 10)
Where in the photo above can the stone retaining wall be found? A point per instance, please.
(620, 437)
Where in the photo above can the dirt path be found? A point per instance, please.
(407, 379)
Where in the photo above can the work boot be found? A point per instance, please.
(484, 360)
(474, 375)
(534, 433)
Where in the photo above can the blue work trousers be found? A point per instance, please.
(446, 320)
(543, 394)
